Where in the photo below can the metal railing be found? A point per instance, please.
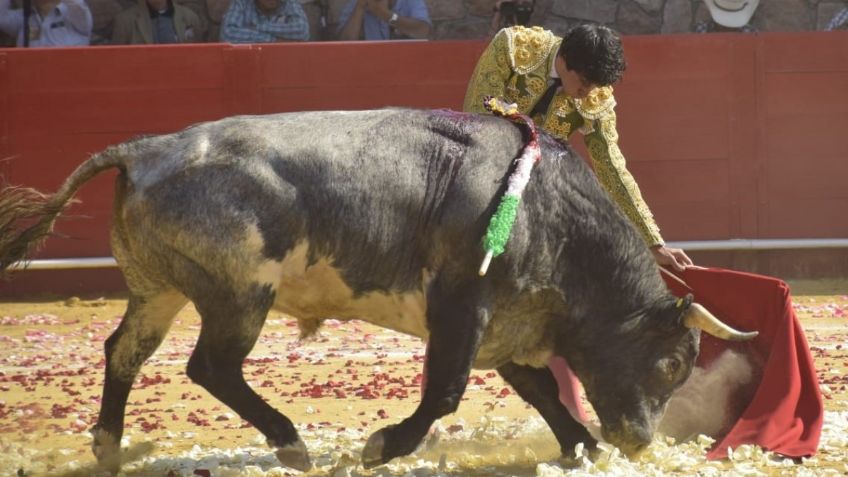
(689, 246)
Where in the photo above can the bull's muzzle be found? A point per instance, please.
(696, 316)
(630, 438)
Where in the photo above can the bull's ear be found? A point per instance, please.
(672, 310)
(683, 304)
(679, 312)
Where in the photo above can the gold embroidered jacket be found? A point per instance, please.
(516, 66)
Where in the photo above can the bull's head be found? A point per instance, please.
(631, 378)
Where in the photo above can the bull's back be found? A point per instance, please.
(340, 213)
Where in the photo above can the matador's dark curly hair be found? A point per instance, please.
(594, 52)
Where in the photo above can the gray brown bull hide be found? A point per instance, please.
(378, 215)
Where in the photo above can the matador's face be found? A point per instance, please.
(573, 83)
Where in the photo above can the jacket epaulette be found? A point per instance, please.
(598, 103)
(528, 47)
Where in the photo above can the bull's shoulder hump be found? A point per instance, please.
(314, 125)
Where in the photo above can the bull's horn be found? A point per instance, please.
(698, 317)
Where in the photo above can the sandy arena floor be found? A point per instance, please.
(339, 388)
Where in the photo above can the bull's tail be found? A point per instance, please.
(27, 216)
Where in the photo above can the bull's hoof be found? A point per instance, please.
(294, 456)
(372, 453)
(107, 450)
(568, 462)
(574, 457)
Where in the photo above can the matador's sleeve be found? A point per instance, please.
(490, 76)
(601, 138)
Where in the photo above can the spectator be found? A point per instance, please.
(51, 23)
(216, 9)
(510, 13)
(157, 21)
(729, 16)
(384, 20)
(839, 21)
(201, 9)
(264, 21)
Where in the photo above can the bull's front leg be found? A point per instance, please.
(538, 387)
(456, 319)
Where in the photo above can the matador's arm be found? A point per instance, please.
(601, 140)
(490, 76)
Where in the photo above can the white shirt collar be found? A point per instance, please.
(554, 73)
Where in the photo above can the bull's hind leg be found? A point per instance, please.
(231, 325)
(456, 320)
(142, 329)
(539, 388)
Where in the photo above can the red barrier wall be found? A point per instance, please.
(729, 135)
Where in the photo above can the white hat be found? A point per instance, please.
(732, 13)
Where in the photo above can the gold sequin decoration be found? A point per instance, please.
(535, 85)
(490, 76)
(608, 128)
(598, 103)
(558, 127)
(497, 74)
(561, 106)
(528, 47)
(525, 103)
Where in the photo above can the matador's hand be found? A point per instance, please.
(674, 257)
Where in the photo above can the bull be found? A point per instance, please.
(378, 215)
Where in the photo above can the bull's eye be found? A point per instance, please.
(674, 366)
(669, 367)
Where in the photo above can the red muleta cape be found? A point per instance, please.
(786, 412)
